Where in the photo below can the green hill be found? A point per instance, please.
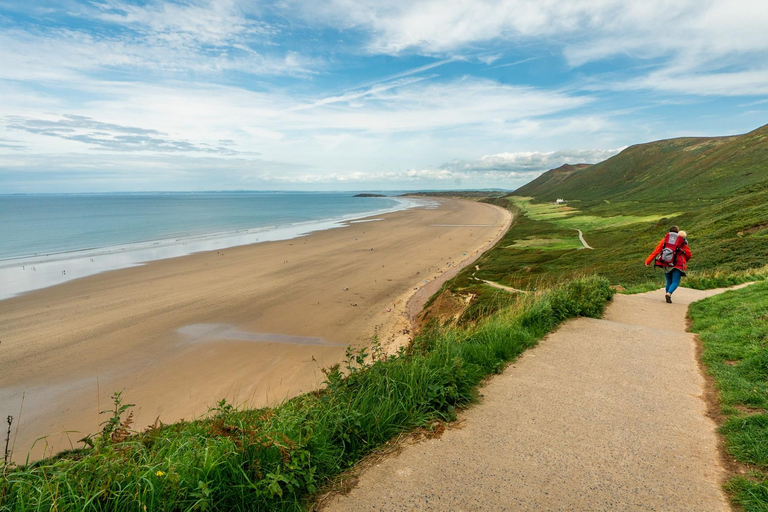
(692, 168)
(715, 188)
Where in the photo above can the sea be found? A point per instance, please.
(49, 239)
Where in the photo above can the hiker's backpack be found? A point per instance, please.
(673, 244)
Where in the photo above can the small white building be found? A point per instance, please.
(560, 201)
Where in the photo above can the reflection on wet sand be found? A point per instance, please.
(201, 333)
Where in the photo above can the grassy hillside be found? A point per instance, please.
(623, 207)
(666, 170)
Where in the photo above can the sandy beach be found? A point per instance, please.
(253, 324)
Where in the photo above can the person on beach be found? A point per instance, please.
(672, 255)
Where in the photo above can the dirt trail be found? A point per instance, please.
(604, 414)
(494, 284)
(584, 242)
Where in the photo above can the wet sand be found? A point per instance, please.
(253, 324)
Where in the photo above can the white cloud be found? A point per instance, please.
(530, 162)
(443, 105)
(207, 113)
(216, 22)
(163, 39)
(722, 39)
(737, 83)
(409, 178)
(193, 73)
(589, 28)
(389, 126)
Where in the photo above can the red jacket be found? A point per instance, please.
(682, 257)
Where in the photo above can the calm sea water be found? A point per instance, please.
(44, 224)
(49, 239)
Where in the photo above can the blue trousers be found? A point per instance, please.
(673, 280)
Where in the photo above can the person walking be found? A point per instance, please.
(672, 255)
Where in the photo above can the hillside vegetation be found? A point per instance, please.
(715, 188)
(666, 170)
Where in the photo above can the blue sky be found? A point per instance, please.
(110, 95)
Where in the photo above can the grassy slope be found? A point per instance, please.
(716, 189)
(733, 328)
(698, 168)
(275, 459)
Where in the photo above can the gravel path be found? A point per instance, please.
(604, 415)
(584, 242)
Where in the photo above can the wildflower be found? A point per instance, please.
(159, 473)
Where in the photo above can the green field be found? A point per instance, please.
(551, 244)
(563, 215)
(733, 328)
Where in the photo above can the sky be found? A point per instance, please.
(144, 95)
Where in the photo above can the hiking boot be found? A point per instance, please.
(669, 299)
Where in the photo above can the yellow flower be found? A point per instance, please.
(159, 473)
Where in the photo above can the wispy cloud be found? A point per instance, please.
(516, 63)
(443, 105)
(725, 83)
(164, 39)
(704, 36)
(113, 137)
(218, 23)
(11, 144)
(352, 97)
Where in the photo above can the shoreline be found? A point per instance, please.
(55, 268)
(253, 324)
(416, 299)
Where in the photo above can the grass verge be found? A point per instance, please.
(733, 328)
(276, 458)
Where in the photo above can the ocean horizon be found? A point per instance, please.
(49, 239)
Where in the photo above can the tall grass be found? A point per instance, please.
(276, 458)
